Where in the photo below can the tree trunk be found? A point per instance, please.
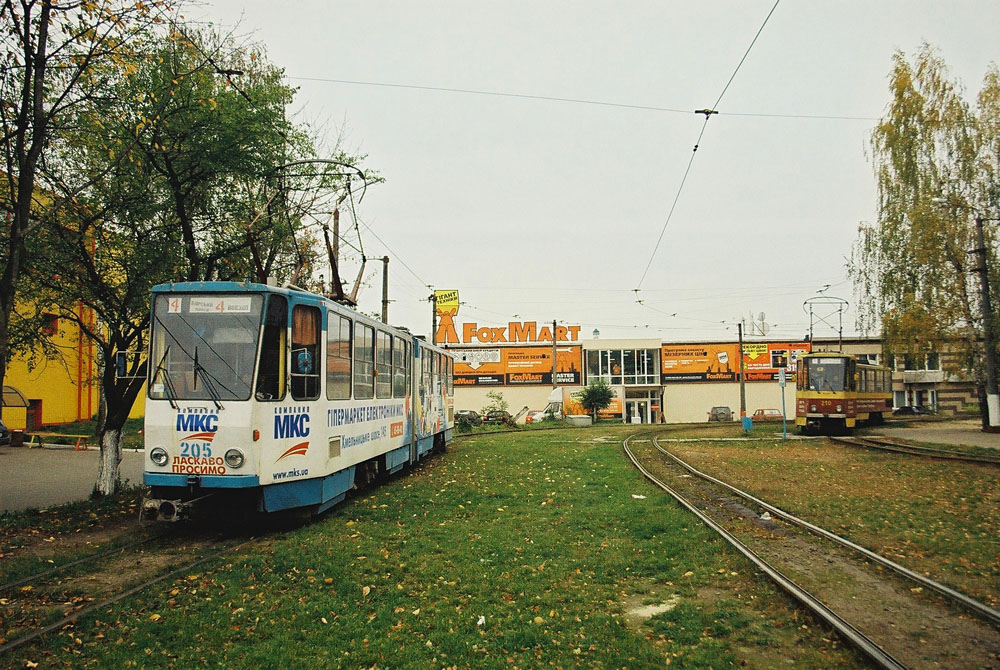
(108, 479)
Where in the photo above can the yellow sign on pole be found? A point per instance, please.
(446, 300)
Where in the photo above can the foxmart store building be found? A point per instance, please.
(653, 381)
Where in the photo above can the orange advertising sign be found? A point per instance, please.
(762, 360)
(517, 366)
(719, 362)
(615, 408)
(513, 332)
(699, 362)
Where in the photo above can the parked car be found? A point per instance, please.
(912, 410)
(497, 417)
(721, 413)
(767, 415)
(469, 415)
(4, 435)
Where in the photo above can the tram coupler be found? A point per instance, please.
(155, 509)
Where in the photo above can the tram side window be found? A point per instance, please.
(364, 362)
(449, 375)
(338, 357)
(425, 366)
(383, 365)
(271, 375)
(305, 352)
(400, 366)
(437, 372)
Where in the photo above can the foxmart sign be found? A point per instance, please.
(514, 331)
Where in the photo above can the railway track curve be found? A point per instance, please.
(849, 627)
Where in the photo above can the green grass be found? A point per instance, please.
(936, 517)
(509, 551)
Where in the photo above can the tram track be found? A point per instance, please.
(40, 612)
(882, 444)
(847, 586)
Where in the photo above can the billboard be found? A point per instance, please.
(762, 360)
(699, 362)
(719, 362)
(518, 366)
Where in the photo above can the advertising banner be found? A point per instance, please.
(763, 360)
(615, 408)
(699, 362)
(721, 363)
(518, 366)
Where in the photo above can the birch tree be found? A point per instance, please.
(936, 157)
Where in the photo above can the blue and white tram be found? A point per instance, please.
(281, 398)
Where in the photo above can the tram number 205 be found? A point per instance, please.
(196, 449)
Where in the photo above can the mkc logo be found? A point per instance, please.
(291, 425)
(200, 423)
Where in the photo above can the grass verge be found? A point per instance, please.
(940, 518)
(510, 551)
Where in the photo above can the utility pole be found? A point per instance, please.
(743, 388)
(992, 418)
(385, 290)
(434, 316)
(553, 353)
(989, 341)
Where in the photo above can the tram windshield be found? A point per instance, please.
(826, 374)
(203, 346)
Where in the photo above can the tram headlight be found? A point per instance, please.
(840, 409)
(159, 456)
(812, 408)
(235, 458)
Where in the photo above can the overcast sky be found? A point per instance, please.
(541, 209)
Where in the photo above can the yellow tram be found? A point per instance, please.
(834, 393)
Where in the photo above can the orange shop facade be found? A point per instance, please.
(654, 381)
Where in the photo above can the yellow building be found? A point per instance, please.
(56, 390)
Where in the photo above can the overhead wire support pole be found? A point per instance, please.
(385, 290)
(434, 315)
(989, 339)
(553, 353)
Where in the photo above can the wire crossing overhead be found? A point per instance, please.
(708, 113)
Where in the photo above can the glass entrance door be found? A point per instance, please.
(637, 411)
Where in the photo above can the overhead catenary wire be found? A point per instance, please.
(708, 114)
(580, 101)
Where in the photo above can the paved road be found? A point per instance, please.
(966, 432)
(42, 477)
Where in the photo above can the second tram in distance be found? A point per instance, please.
(834, 393)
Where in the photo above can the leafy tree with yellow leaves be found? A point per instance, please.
(937, 159)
